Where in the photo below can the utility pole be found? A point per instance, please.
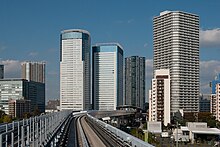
(177, 139)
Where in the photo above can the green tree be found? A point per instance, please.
(7, 119)
(36, 111)
(2, 114)
(26, 115)
(207, 117)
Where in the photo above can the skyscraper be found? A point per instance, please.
(107, 76)
(75, 70)
(176, 47)
(1, 71)
(135, 81)
(33, 71)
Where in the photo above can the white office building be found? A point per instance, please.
(107, 76)
(176, 47)
(159, 97)
(75, 70)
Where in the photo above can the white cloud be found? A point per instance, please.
(130, 21)
(210, 38)
(12, 68)
(124, 21)
(145, 45)
(33, 54)
(208, 70)
(2, 48)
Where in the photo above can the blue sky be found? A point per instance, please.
(29, 30)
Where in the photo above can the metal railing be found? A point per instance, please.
(36, 131)
(129, 139)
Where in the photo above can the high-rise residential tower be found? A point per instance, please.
(107, 76)
(33, 71)
(176, 47)
(75, 70)
(135, 81)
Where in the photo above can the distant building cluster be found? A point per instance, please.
(98, 77)
(106, 72)
(52, 105)
(25, 95)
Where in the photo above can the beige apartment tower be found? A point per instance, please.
(159, 97)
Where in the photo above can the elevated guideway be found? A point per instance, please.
(65, 128)
(93, 132)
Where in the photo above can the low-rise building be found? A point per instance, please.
(204, 103)
(18, 108)
(53, 105)
(194, 131)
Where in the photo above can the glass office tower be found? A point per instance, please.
(107, 76)
(75, 70)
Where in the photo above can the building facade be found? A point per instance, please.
(1, 71)
(215, 102)
(214, 82)
(33, 71)
(204, 103)
(36, 94)
(176, 47)
(53, 104)
(135, 81)
(18, 108)
(159, 97)
(75, 70)
(107, 76)
(20, 89)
